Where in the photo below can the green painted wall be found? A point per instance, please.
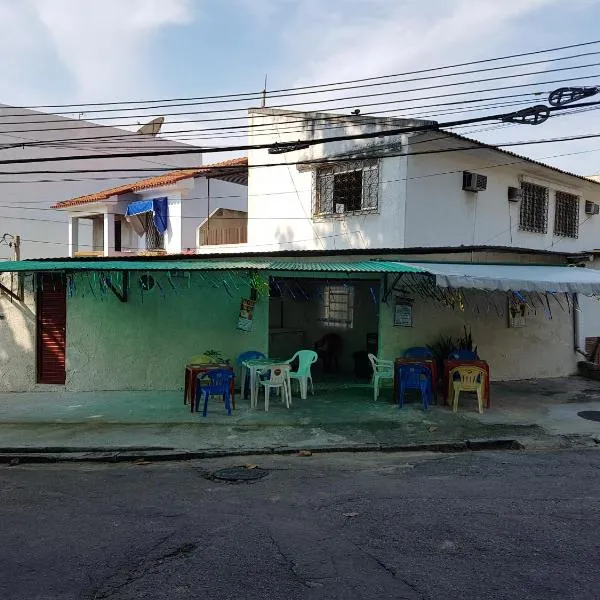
(145, 343)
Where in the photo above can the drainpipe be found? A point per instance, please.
(577, 327)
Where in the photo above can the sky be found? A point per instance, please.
(81, 51)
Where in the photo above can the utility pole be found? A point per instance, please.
(14, 243)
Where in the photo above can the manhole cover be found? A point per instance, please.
(240, 474)
(590, 415)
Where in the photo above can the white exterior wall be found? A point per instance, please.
(173, 241)
(280, 197)
(198, 203)
(25, 205)
(439, 213)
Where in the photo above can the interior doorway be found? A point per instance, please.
(337, 318)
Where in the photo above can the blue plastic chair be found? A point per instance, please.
(414, 377)
(418, 352)
(243, 357)
(214, 383)
(464, 355)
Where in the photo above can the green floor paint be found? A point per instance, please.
(336, 416)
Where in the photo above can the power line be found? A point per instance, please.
(305, 143)
(292, 114)
(386, 83)
(337, 160)
(328, 119)
(258, 94)
(311, 102)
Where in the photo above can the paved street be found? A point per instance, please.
(471, 525)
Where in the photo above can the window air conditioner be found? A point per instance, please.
(515, 194)
(339, 209)
(472, 182)
(591, 208)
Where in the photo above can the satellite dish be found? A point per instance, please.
(152, 128)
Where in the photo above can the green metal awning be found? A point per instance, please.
(230, 264)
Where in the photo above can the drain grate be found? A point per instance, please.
(240, 474)
(590, 415)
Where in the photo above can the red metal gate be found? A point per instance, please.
(51, 329)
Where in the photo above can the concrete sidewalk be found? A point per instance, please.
(337, 417)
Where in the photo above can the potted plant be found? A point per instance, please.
(441, 349)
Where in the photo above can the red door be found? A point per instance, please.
(51, 329)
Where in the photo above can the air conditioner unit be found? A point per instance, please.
(591, 208)
(340, 208)
(515, 194)
(472, 182)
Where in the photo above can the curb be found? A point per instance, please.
(122, 455)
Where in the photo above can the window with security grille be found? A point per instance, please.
(566, 216)
(347, 187)
(337, 306)
(534, 208)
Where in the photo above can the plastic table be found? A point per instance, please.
(191, 379)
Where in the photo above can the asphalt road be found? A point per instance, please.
(495, 525)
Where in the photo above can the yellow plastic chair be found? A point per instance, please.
(470, 379)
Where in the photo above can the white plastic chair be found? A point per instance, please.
(303, 375)
(382, 369)
(279, 378)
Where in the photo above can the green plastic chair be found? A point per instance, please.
(303, 375)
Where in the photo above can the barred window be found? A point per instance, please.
(347, 187)
(534, 208)
(566, 216)
(337, 306)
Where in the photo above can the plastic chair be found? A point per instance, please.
(467, 379)
(418, 352)
(241, 359)
(279, 378)
(382, 369)
(214, 383)
(414, 377)
(464, 355)
(303, 375)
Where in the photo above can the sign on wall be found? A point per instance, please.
(403, 313)
(246, 314)
(517, 313)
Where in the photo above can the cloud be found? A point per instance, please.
(104, 44)
(79, 50)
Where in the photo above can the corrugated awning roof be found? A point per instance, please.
(263, 264)
(491, 277)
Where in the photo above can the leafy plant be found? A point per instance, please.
(443, 346)
(466, 341)
(216, 357)
(441, 349)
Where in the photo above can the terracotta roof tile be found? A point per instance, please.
(235, 170)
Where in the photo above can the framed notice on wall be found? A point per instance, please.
(403, 313)
(246, 315)
(517, 313)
